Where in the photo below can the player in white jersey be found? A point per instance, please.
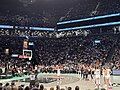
(58, 72)
(107, 76)
(97, 77)
(103, 74)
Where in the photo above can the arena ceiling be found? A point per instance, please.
(54, 10)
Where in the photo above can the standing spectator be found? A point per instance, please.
(1, 87)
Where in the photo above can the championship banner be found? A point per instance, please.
(25, 44)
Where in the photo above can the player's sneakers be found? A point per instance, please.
(105, 86)
(96, 87)
(109, 87)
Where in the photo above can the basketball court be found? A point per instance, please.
(65, 80)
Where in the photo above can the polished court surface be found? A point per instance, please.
(67, 80)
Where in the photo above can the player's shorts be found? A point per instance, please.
(97, 76)
(107, 77)
(103, 76)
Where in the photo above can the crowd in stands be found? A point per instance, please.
(64, 51)
(40, 33)
(13, 86)
(73, 53)
(116, 57)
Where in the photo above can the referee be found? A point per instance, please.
(32, 79)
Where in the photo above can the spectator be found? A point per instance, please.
(51, 88)
(77, 88)
(7, 86)
(69, 88)
(27, 88)
(1, 87)
(41, 87)
(13, 86)
(57, 87)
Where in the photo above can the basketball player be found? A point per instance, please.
(103, 73)
(92, 69)
(97, 77)
(107, 76)
(82, 72)
(58, 75)
(58, 71)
